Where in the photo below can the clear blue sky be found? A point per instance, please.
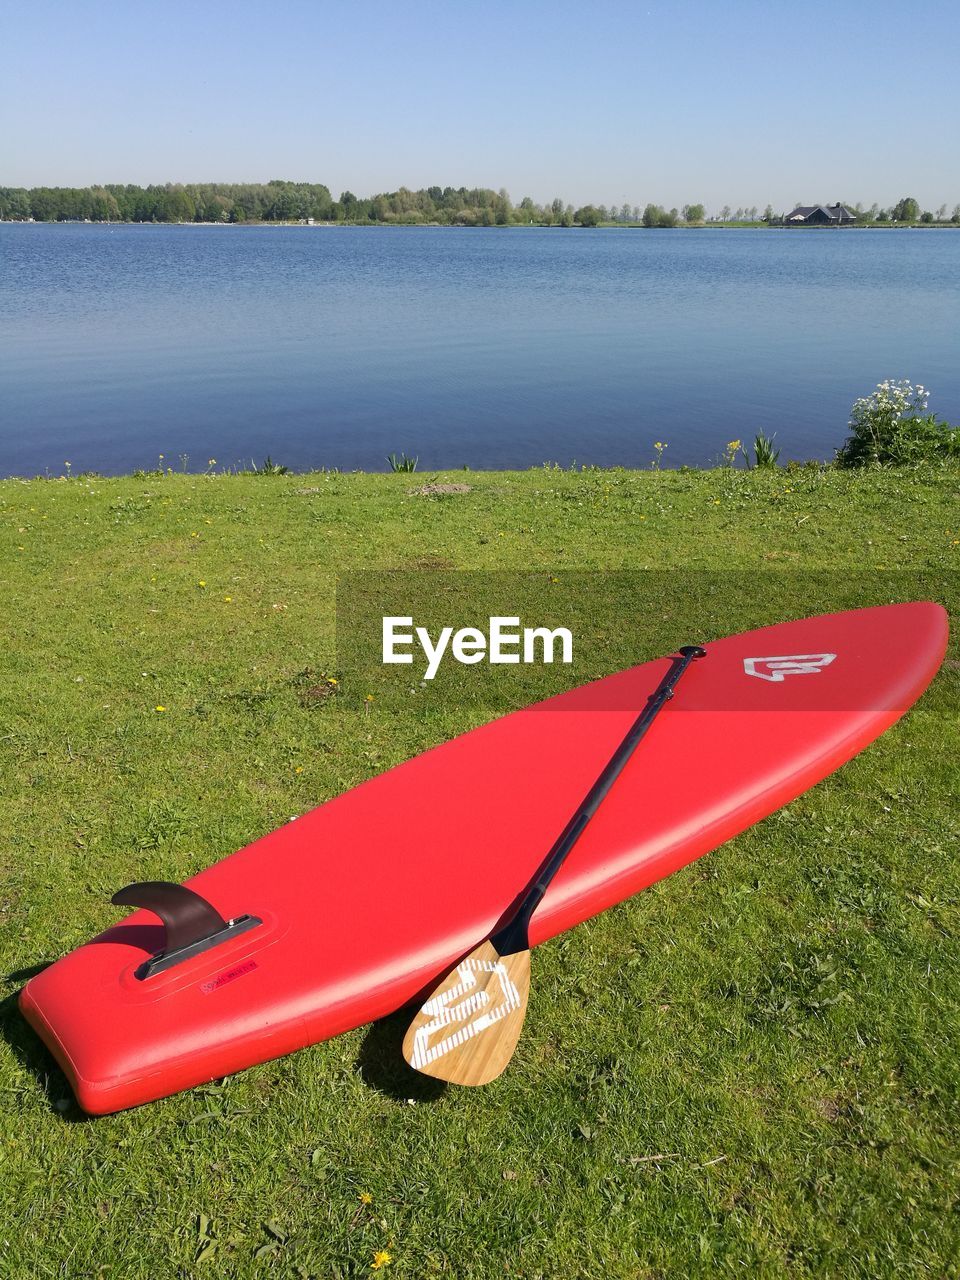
(736, 103)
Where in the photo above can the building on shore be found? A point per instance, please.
(820, 215)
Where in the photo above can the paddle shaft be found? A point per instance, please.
(513, 936)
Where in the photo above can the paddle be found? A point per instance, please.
(480, 1005)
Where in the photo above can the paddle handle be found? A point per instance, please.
(512, 936)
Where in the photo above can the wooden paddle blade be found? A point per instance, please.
(468, 1029)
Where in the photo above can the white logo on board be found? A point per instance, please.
(793, 664)
(444, 1009)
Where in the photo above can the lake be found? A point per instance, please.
(332, 347)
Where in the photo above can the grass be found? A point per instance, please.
(751, 1069)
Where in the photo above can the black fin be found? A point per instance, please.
(191, 923)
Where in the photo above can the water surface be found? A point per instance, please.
(491, 348)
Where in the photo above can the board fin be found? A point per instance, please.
(192, 924)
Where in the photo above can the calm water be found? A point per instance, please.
(494, 348)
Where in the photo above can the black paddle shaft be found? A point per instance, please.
(512, 937)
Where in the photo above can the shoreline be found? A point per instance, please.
(457, 476)
(513, 226)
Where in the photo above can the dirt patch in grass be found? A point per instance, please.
(827, 1107)
(438, 490)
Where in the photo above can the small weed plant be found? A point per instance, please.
(764, 454)
(270, 468)
(401, 462)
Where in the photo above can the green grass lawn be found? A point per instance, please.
(750, 1069)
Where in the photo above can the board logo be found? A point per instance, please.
(794, 664)
(230, 976)
(463, 1004)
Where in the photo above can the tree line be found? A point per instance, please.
(282, 201)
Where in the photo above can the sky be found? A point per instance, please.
(740, 104)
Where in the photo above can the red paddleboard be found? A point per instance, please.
(366, 901)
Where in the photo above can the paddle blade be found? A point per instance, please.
(468, 1029)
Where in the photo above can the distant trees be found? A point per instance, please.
(654, 215)
(282, 201)
(177, 206)
(906, 210)
(172, 202)
(14, 203)
(274, 201)
(588, 216)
